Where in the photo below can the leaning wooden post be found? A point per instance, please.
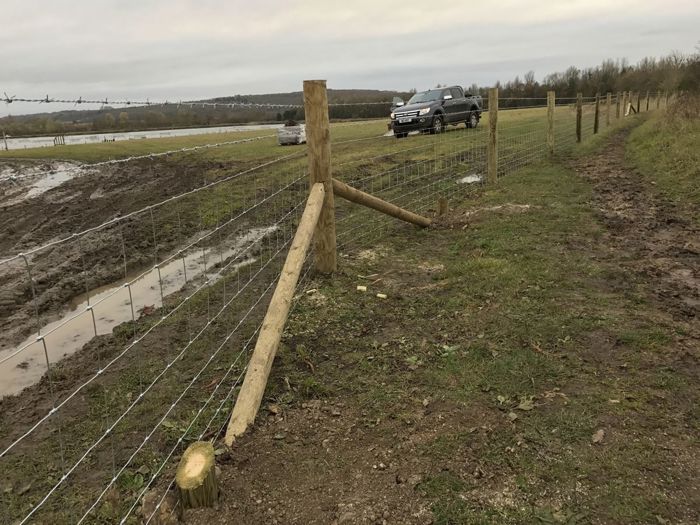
(608, 105)
(551, 101)
(493, 136)
(618, 103)
(260, 364)
(360, 197)
(318, 139)
(195, 477)
(596, 118)
(579, 115)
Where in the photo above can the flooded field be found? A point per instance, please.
(95, 138)
(99, 311)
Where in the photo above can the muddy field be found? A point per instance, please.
(36, 210)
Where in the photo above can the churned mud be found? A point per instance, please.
(648, 236)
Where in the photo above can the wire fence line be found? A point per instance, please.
(168, 299)
(136, 102)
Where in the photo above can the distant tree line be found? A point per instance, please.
(675, 72)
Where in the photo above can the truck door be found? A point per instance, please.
(459, 106)
(448, 105)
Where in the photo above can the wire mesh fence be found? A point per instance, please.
(131, 337)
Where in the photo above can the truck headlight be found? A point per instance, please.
(392, 116)
(424, 111)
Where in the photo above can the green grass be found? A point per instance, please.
(513, 316)
(667, 154)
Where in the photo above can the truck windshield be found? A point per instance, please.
(426, 96)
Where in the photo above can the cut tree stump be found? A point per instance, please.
(196, 477)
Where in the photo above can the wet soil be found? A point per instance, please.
(648, 236)
(63, 272)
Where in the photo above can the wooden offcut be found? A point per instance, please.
(579, 116)
(195, 477)
(360, 197)
(492, 148)
(551, 101)
(255, 381)
(442, 206)
(318, 139)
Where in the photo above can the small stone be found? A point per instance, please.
(598, 436)
(414, 480)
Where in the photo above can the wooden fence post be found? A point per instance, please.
(639, 101)
(596, 119)
(647, 101)
(318, 139)
(618, 103)
(4, 138)
(493, 136)
(579, 115)
(658, 99)
(608, 104)
(551, 101)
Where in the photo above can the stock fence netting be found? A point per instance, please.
(131, 337)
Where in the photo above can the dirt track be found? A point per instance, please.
(644, 234)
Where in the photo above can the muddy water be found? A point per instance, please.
(31, 181)
(98, 312)
(470, 179)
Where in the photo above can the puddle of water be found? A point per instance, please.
(32, 181)
(111, 306)
(51, 180)
(470, 179)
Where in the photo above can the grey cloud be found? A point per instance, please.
(80, 53)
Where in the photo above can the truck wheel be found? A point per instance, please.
(438, 125)
(472, 120)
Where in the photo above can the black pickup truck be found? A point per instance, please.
(434, 109)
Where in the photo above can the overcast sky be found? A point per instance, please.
(191, 49)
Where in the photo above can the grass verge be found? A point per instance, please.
(563, 396)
